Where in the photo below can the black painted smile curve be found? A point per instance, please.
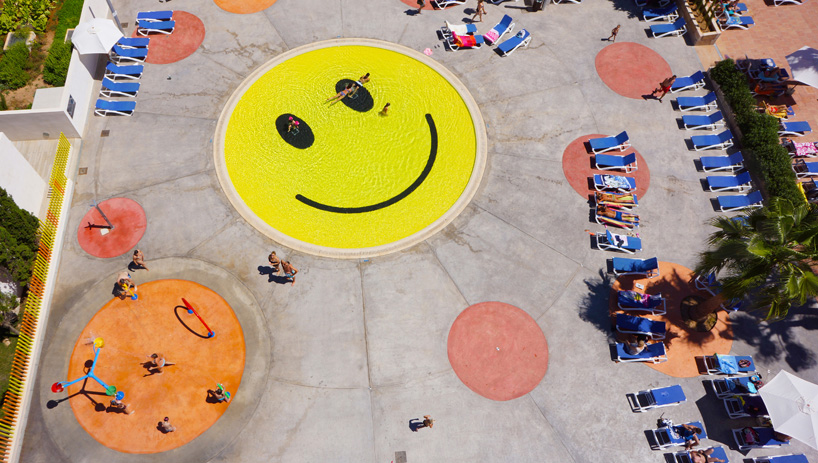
(392, 200)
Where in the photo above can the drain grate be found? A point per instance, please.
(125, 25)
(400, 457)
(105, 133)
(83, 170)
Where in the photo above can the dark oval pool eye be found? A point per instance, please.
(299, 135)
(361, 101)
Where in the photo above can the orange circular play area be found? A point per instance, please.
(682, 344)
(497, 350)
(179, 44)
(132, 330)
(244, 6)
(630, 69)
(579, 168)
(129, 222)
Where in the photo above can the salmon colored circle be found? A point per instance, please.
(682, 344)
(179, 44)
(630, 69)
(132, 330)
(244, 6)
(497, 350)
(128, 219)
(579, 168)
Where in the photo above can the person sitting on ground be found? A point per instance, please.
(157, 363)
(139, 259)
(121, 406)
(340, 95)
(124, 285)
(703, 456)
(689, 433)
(165, 426)
(220, 394)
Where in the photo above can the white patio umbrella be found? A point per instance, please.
(793, 406)
(96, 36)
(804, 65)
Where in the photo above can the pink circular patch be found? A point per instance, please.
(630, 69)
(128, 219)
(579, 167)
(497, 350)
(179, 44)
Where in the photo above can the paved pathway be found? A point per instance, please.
(338, 364)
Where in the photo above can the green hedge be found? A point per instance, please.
(13, 64)
(20, 13)
(760, 142)
(18, 239)
(56, 64)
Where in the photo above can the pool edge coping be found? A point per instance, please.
(480, 158)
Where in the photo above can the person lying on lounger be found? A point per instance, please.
(614, 198)
(604, 211)
(703, 456)
(779, 111)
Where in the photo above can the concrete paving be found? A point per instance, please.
(340, 362)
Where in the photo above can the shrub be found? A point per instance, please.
(13, 66)
(18, 13)
(18, 239)
(56, 64)
(759, 134)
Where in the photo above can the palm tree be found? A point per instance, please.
(766, 255)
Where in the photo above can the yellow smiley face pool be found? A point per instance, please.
(308, 156)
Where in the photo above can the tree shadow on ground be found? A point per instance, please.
(775, 341)
(594, 307)
(628, 6)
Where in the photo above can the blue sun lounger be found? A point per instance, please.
(521, 39)
(614, 242)
(120, 108)
(697, 103)
(795, 129)
(669, 30)
(805, 169)
(162, 27)
(633, 301)
(112, 88)
(671, 436)
(156, 16)
(615, 161)
(654, 353)
(628, 266)
(630, 324)
(137, 55)
(656, 398)
(731, 162)
(618, 183)
(766, 439)
(114, 71)
(708, 122)
(745, 406)
(134, 42)
(721, 141)
(605, 144)
(740, 182)
(669, 13)
(739, 202)
(737, 22)
(725, 387)
(727, 364)
(692, 82)
(781, 459)
(718, 453)
(497, 32)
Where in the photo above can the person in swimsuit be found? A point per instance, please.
(664, 87)
(274, 261)
(340, 95)
(121, 406)
(289, 271)
(359, 83)
(157, 363)
(688, 432)
(166, 427)
(703, 456)
(139, 259)
(479, 11)
(124, 285)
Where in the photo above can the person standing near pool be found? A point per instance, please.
(480, 11)
(289, 271)
(274, 261)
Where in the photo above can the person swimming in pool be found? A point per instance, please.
(340, 95)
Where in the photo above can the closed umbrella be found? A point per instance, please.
(804, 65)
(792, 404)
(96, 36)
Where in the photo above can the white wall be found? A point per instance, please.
(31, 124)
(19, 178)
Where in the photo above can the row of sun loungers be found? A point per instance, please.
(459, 36)
(160, 22)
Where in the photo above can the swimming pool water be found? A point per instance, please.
(357, 158)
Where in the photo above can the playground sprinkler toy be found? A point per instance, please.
(191, 310)
(109, 390)
(104, 228)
